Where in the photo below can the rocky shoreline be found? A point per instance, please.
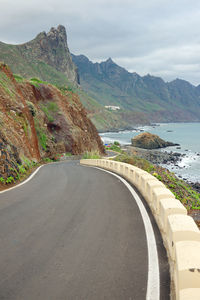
(162, 158)
(155, 156)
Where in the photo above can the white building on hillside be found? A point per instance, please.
(112, 107)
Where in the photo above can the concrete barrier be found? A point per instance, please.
(180, 228)
(169, 207)
(187, 266)
(187, 294)
(150, 187)
(159, 193)
(180, 234)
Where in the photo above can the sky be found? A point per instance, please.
(157, 37)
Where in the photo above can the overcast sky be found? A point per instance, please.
(159, 37)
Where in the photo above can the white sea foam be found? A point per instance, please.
(188, 160)
(185, 134)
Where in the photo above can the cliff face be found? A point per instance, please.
(52, 49)
(47, 57)
(38, 120)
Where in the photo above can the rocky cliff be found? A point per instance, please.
(47, 56)
(52, 49)
(38, 120)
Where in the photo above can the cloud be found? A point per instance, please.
(160, 37)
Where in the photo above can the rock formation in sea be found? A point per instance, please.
(148, 140)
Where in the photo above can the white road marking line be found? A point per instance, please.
(25, 181)
(153, 282)
(31, 176)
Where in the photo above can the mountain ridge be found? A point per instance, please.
(142, 99)
(47, 57)
(148, 94)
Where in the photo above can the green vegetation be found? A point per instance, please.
(7, 85)
(65, 89)
(46, 111)
(114, 147)
(36, 82)
(68, 154)
(182, 191)
(42, 138)
(2, 180)
(18, 78)
(49, 108)
(10, 179)
(47, 160)
(52, 106)
(91, 155)
(20, 172)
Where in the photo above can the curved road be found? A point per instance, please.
(74, 232)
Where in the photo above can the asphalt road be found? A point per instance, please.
(74, 232)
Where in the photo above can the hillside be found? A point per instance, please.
(37, 120)
(111, 84)
(141, 99)
(47, 57)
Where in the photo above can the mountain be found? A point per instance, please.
(47, 57)
(111, 84)
(38, 120)
(141, 99)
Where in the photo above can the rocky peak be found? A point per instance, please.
(52, 48)
(109, 61)
(58, 35)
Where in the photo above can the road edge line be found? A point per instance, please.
(25, 181)
(153, 282)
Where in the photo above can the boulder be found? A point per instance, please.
(148, 140)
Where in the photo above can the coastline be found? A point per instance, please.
(183, 133)
(165, 159)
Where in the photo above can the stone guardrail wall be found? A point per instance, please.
(180, 234)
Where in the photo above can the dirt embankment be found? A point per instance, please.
(39, 120)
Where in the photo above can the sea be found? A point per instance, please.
(185, 134)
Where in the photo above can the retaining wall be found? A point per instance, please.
(180, 234)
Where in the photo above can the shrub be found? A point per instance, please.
(10, 179)
(22, 170)
(2, 180)
(91, 155)
(47, 160)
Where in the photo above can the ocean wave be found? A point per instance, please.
(188, 160)
(107, 140)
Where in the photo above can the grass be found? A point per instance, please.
(49, 109)
(18, 78)
(42, 138)
(47, 113)
(91, 155)
(114, 147)
(6, 84)
(65, 89)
